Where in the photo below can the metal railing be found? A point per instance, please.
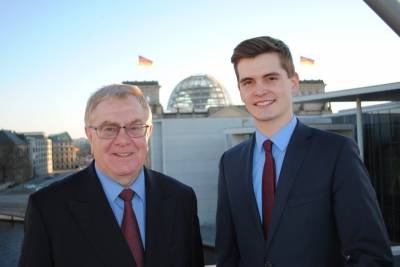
(11, 218)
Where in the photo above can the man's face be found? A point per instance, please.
(122, 157)
(266, 90)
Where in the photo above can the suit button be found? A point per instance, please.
(268, 264)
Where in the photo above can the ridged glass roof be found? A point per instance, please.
(198, 92)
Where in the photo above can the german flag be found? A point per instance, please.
(142, 61)
(306, 61)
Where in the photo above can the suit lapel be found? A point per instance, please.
(296, 152)
(97, 221)
(246, 176)
(160, 214)
(242, 172)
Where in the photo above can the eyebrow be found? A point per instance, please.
(270, 74)
(245, 79)
(137, 121)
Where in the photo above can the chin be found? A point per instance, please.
(126, 171)
(264, 117)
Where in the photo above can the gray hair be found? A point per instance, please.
(116, 91)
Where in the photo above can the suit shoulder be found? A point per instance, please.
(239, 149)
(330, 137)
(170, 183)
(61, 188)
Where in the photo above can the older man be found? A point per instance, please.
(116, 212)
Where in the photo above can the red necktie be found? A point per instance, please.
(130, 228)
(268, 186)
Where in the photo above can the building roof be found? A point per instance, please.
(367, 109)
(9, 136)
(198, 92)
(382, 92)
(61, 137)
(229, 111)
(312, 81)
(38, 135)
(141, 83)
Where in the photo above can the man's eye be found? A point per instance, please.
(110, 129)
(246, 83)
(135, 128)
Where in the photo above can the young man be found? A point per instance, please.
(116, 212)
(292, 195)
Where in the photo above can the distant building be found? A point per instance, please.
(198, 93)
(311, 87)
(151, 90)
(15, 165)
(64, 153)
(40, 152)
(83, 154)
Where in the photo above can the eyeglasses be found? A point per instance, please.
(111, 131)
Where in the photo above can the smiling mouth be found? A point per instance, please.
(264, 103)
(123, 155)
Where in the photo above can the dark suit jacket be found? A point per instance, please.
(325, 211)
(71, 224)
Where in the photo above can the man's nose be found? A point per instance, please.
(260, 88)
(122, 137)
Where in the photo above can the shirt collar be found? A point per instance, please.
(112, 189)
(280, 138)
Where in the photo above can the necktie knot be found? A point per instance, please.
(127, 194)
(268, 146)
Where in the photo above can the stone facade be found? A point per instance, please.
(64, 152)
(310, 87)
(15, 165)
(151, 90)
(40, 153)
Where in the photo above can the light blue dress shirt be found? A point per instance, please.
(280, 142)
(112, 189)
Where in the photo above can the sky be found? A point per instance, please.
(55, 54)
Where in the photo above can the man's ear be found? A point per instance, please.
(89, 134)
(149, 132)
(295, 82)
(240, 92)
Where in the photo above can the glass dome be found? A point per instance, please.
(198, 92)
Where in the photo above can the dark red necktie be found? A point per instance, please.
(268, 186)
(130, 228)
